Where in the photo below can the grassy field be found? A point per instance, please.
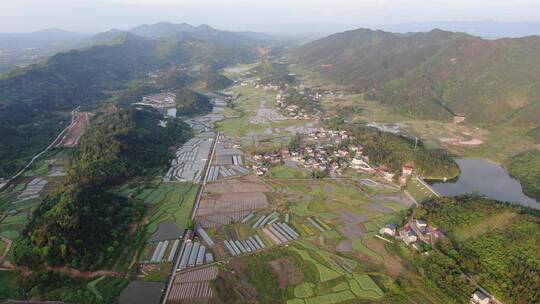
(419, 191)
(170, 202)
(3, 246)
(12, 226)
(7, 287)
(284, 172)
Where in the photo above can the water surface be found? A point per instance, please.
(486, 178)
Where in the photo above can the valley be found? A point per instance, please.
(214, 173)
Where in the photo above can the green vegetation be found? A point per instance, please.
(173, 202)
(284, 172)
(434, 75)
(274, 73)
(304, 290)
(394, 151)
(35, 102)
(54, 285)
(81, 224)
(92, 287)
(418, 190)
(359, 246)
(331, 298)
(494, 243)
(7, 284)
(526, 168)
(259, 274)
(191, 103)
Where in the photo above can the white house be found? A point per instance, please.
(420, 223)
(389, 229)
(479, 297)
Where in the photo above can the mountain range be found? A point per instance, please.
(34, 100)
(436, 74)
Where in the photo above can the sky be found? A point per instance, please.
(271, 16)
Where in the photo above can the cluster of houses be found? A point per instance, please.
(417, 231)
(159, 100)
(295, 111)
(318, 156)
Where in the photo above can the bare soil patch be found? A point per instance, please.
(345, 246)
(76, 130)
(392, 263)
(287, 272)
(353, 224)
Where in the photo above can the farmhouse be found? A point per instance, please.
(408, 236)
(407, 170)
(389, 229)
(479, 297)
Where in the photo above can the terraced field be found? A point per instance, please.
(170, 202)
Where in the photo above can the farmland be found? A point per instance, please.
(336, 257)
(167, 202)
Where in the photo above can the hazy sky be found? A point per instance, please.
(269, 15)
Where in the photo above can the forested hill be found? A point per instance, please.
(203, 32)
(494, 243)
(81, 224)
(435, 74)
(35, 102)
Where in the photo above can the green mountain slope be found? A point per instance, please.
(81, 224)
(203, 32)
(436, 74)
(35, 102)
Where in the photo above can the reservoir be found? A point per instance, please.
(486, 178)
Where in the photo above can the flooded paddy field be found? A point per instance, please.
(228, 201)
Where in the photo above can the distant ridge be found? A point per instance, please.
(435, 74)
(206, 32)
(486, 29)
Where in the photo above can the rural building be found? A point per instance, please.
(389, 229)
(479, 297)
(408, 236)
(407, 170)
(420, 223)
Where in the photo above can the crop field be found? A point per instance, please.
(227, 201)
(328, 278)
(170, 202)
(194, 284)
(284, 172)
(12, 226)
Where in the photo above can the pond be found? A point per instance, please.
(486, 178)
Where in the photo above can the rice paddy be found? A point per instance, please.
(171, 201)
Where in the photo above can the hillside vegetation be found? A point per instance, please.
(394, 151)
(81, 224)
(496, 244)
(526, 168)
(435, 74)
(189, 102)
(35, 102)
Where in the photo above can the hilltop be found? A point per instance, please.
(35, 101)
(436, 74)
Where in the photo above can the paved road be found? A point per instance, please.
(73, 113)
